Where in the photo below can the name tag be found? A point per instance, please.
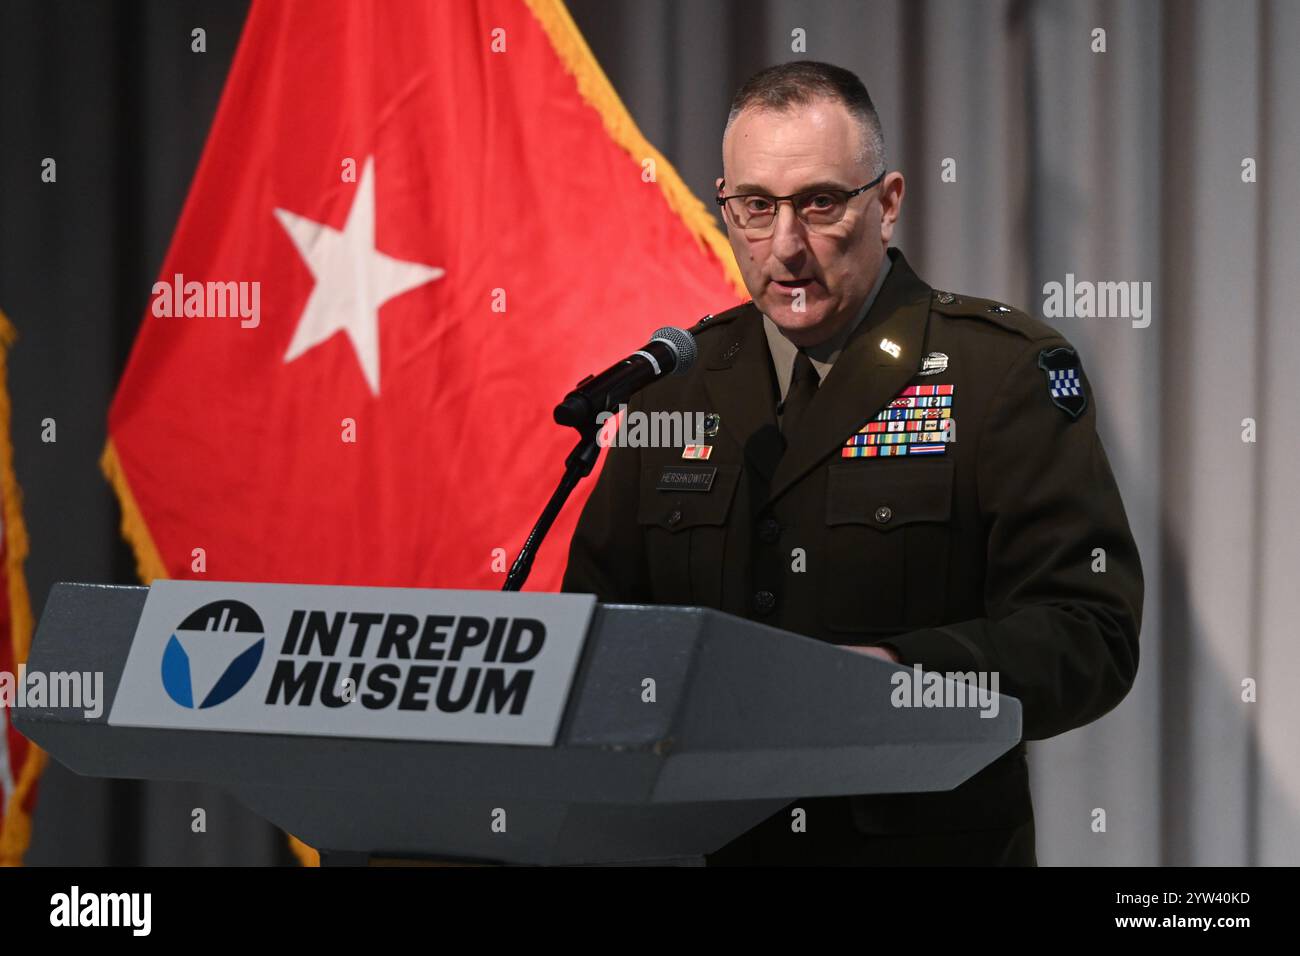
(686, 478)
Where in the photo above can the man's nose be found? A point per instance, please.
(788, 238)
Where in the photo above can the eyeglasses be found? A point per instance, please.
(756, 212)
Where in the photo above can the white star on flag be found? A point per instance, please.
(353, 279)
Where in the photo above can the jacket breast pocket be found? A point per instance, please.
(886, 545)
(685, 534)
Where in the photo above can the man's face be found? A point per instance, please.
(811, 281)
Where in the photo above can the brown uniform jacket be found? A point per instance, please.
(981, 557)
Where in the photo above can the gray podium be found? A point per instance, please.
(746, 719)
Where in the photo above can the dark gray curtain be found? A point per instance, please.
(1123, 165)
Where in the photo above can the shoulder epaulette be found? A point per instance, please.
(996, 313)
(722, 318)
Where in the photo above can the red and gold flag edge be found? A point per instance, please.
(594, 87)
(148, 562)
(16, 832)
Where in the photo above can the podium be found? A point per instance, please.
(681, 729)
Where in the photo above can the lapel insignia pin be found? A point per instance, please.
(890, 347)
(712, 421)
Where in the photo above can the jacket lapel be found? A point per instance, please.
(739, 382)
(865, 376)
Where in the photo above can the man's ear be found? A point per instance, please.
(717, 184)
(891, 203)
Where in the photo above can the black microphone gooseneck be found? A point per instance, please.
(670, 351)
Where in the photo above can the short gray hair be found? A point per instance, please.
(788, 85)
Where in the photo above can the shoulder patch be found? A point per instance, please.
(1064, 374)
(988, 310)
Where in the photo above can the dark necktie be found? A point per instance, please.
(803, 386)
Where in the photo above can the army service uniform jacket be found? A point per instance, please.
(980, 554)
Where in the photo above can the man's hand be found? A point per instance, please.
(872, 651)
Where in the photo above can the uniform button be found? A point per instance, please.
(675, 517)
(764, 601)
(769, 530)
(883, 514)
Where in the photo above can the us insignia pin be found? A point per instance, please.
(934, 363)
(1064, 379)
(699, 452)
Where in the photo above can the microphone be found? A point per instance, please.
(670, 351)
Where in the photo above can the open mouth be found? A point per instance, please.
(793, 283)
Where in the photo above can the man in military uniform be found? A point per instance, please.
(931, 459)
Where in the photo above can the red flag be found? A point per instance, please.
(21, 761)
(414, 227)
(423, 223)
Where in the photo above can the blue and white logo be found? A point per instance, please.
(215, 652)
(1064, 380)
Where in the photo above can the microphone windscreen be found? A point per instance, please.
(682, 344)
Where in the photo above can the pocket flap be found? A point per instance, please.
(886, 494)
(678, 510)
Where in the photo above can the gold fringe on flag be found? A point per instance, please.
(148, 562)
(595, 88)
(17, 829)
(305, 854)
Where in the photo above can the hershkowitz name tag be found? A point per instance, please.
(686, 478)
(461, 666)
